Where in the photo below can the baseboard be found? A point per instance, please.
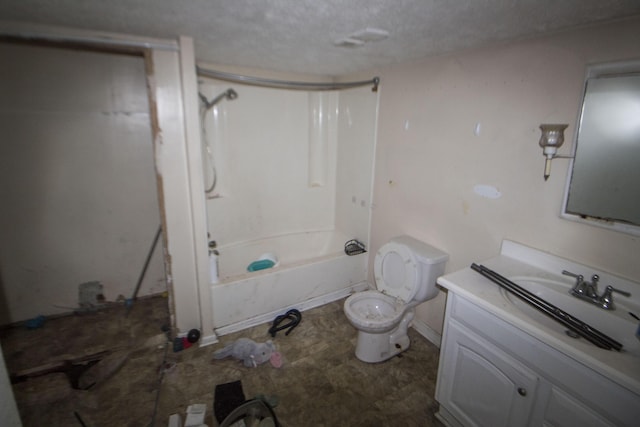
(209, 340)
(427, 332)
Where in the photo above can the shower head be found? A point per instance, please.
(228, 94)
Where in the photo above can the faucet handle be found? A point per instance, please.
(606, 299)
(579, 277)
(620, 291)
(580, 286)
(592, 288)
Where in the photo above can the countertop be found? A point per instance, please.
(517, 260)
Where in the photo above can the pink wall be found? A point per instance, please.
(429, 159)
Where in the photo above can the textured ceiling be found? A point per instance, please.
(299, 35)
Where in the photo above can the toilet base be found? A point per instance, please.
(374, 348)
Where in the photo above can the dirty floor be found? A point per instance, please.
(320, 384)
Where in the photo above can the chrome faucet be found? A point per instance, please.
(588, 291)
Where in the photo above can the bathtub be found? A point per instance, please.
(312, 270)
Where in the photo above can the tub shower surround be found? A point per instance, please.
(294, 180)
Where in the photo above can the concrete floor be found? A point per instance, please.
(320, 384)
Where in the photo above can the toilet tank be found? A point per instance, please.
(431, 265)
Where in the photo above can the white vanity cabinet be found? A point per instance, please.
(493, 374)
(484, 386)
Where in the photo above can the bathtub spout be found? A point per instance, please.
(294, 317)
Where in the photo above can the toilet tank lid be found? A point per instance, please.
(426, 253)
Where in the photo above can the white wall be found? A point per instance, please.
(429, 158)
(78, 185)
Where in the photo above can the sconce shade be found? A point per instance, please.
(551, 139)
(552, 136)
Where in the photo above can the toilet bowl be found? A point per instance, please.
(405, 271)
(374, 312)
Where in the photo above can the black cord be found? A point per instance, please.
(294, 315)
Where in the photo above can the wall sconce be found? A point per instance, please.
(551, 139)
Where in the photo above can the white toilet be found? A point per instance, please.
(405, 271)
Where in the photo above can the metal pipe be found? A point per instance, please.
(146, 265)
(284, 84)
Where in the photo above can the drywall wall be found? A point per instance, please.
(451, 123)
(77, 179)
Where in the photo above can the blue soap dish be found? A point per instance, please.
(260, 264)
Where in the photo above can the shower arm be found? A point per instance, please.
(228, 94)
(283, 84)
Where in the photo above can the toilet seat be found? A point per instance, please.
(396, 271)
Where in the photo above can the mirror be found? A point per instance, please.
(603, 186)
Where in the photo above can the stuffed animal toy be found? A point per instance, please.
(250, 352)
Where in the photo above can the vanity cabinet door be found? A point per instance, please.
(564, 410)
(480, 385)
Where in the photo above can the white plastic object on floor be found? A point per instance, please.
(195, 415)
(175, 420)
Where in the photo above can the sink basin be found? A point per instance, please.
(617, 324)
